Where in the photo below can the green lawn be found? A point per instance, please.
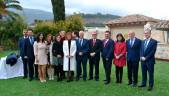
(20, 87)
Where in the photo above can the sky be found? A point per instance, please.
(154, 8)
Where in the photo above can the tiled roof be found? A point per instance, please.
(163, 25)
(132, 19)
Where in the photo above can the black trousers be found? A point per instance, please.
(119, 74)
(94, 64)
(81, 61)
(107, 67)
(59, 71)
(25, 68)
(30, 64)
(146, 67)
(132, 68)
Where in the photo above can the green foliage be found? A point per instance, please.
(10, 31)
(58, 10)
(72, 23)
(5, 5)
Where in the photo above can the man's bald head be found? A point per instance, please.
(81, 34)
(131, 34)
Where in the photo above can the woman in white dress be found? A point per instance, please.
(40, 52)
(69, 50)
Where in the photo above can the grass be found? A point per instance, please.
(5, 53)
(20, 87)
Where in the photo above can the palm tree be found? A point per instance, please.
(6, 6)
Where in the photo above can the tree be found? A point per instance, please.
(6, 6)
(58, 10)
(10, 31)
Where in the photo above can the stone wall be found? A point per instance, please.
(162, 51)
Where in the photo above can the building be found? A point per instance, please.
(134, 22)
(163, 48)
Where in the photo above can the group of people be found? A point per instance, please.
(67, 53)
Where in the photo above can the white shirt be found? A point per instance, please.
(148, 40)
(132, 42)
(81, 41)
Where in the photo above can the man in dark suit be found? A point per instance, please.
(29, 53)
(147, 55)
(82, 55)
(21, 44)
(133, 58)
(94, 56)
(107, 55)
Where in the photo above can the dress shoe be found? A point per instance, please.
(24, 77)
(68, 80)
(36, 78)
(129, 84)
(90, 78)
(150, 88)
(134, 85)
(117, 82)
(120, 82)
(97, 79)
(30, 79)
(84, 79)
(77, 79)
(107, 82)
(141, 86)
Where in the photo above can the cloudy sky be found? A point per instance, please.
(154, 8)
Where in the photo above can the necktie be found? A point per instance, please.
(31, 40)
(145, 44)
(105, 42)
(80, 41)
(131, 42)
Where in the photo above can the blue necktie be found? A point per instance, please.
(145, 44)
(31, 40)
(131, 42)
(80, 41)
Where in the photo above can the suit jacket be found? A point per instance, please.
(96, 47)
(21, 45)
(108, 49)
(133, 52)
(84, 48)
(149, 53)
(28, 49)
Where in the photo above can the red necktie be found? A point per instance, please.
(105, 42)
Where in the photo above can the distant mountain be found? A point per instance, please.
(89, 19)
(32, 14)
(97, 20)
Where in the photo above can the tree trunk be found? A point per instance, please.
(58, 10)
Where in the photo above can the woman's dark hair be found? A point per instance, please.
(38, 40)
(56, 37)
(119, 34)
(76, 33)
